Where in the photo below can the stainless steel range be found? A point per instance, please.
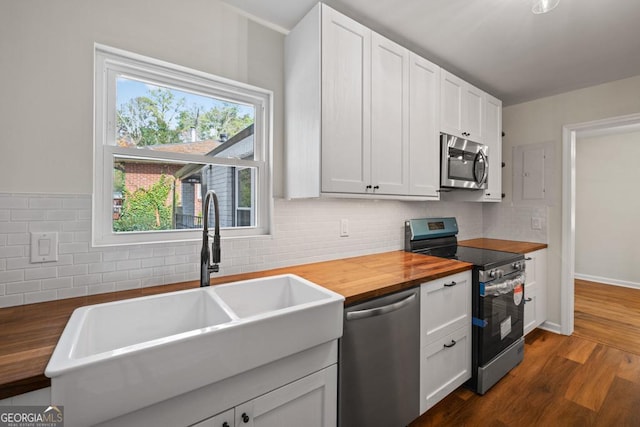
(497, 300)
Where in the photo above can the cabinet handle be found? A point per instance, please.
(225, 424)
(528, 300)
(377, 187)
(367, 187)
(453, 342)
(245, 418)
(528, 259)
(449, 285)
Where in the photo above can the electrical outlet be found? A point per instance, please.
(344, 228)
(536, 223)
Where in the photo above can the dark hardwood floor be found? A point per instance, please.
(591, 378)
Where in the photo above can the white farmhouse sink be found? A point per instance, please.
(118, 357)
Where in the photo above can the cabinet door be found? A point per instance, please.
(473, 113)
(493, 139)
(424, 140)
(530, 303)
(536, 278)
(389, 116)
(452, 90)
(225, 419)
(444, 366)
(346, 115)
(310, 402)
(445, 306)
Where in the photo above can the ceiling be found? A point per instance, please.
(497, 45)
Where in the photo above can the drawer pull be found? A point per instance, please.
(449, 285)
(528, 300)
(528, 259)
(453, 342)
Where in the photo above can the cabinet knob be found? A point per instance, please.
(245, 418)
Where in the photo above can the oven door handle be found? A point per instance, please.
(379, 311)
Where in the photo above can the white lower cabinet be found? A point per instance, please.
(310, 401)
(535, 290)
(445, 337)
(444, 366)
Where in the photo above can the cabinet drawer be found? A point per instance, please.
(445, 306)
(444, 366)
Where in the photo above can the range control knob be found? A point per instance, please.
(496, 273)
(517, 265)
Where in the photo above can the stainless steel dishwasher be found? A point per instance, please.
(379, 370)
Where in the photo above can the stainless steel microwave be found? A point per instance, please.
(465, 164)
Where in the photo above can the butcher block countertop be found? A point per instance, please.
(503, 245)
(29, 333)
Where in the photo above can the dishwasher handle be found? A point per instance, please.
(379, 311)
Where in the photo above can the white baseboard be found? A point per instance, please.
(551, 327)
(607, 281)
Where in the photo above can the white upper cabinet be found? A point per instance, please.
(389, 117)
(361, 113)
(346, 99)
(461, 108)
(424, 117)
(493, 140)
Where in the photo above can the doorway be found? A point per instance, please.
(570, 135)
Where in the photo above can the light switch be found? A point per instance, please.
(44, 247)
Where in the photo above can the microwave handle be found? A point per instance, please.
(480, 157)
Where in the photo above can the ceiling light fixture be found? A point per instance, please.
(544, 6)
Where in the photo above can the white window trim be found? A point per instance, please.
(109, 61)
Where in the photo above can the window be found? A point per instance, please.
(164, 136)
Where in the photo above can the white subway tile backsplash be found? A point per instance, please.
(71, 292)
(10, 201)
(18, 263)
(87, 280)
(80, 202)
(23, 287)
(73, 248)
(18, 239)
(304, 231)
(45, 202)
(128, 284)
(73, 270)
(62, 282)
(13, 227)
(88, 258)
(11, 276)
(101, 288)
(40, 273)
(115, 276)
(11, 300)
(102, 267)
(11, 251)
(34, 297)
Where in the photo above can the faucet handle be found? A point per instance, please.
(215, 250)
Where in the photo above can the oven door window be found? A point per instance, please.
(504, 318)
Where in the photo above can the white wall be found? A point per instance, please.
(46, 152)
(46, 113)
(541, 121)
(608, 208)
